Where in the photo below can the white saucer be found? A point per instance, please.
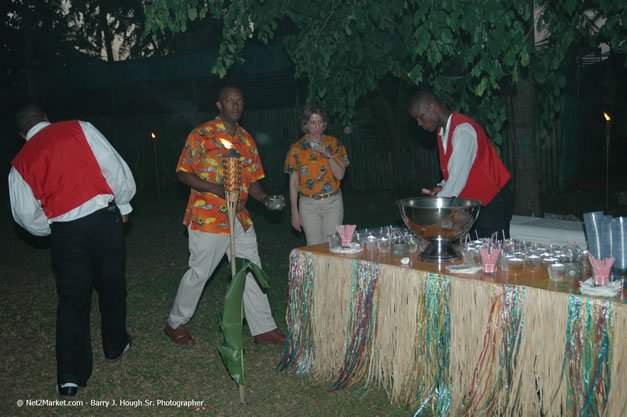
(353, 247)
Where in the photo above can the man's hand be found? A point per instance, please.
(432, 192)
(275, 202)
(218, 189)
(125, 218)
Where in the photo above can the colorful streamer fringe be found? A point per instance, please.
(299, 315)
(587, 358)
(433, 341)
(361, 326)
(479, 364)
(493, 377)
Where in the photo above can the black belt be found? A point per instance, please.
(111, 207)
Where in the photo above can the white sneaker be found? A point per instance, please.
(126, 349)
(67, 391)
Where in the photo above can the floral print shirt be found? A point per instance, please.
(203, 155)
(313, 169)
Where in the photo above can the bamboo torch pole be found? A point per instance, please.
(231, 205)
(608, 136)
(232, 170)
(156, 163)
(231, 194)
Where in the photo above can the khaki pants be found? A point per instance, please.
(206, 251)
(320, 217)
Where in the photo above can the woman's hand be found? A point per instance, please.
(297, 223)
(318, 146)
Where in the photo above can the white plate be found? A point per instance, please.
(353, 247)
(612, 288)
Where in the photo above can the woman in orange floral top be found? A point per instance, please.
(316, 165)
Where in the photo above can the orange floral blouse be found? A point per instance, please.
(313, 169)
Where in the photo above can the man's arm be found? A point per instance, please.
(194, 181)
(114, 169)
(26, 209)
(464, 151)
(256, 192)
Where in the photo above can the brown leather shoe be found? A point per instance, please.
(180, 335)
(273, 336)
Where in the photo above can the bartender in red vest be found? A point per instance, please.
(68, 182)
(469, 163)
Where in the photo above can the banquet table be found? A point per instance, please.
(477, 345)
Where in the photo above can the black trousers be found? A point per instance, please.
(495, 216)
(88, 252)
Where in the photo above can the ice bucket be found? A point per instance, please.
(441, 221)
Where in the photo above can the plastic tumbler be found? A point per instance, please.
(371, 242)
(335, 241)
(384, 244)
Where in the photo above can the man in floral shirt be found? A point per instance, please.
(200, 167)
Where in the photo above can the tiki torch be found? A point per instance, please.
(232, 170)
(608, 136)
(154, 153)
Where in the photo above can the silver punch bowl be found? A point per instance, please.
(441, 221)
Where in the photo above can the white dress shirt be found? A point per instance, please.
(27, 210)
(464, 152)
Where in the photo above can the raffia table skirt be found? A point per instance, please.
(460, 346)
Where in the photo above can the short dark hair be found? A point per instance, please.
(28, 117)
(225, 87)
(309, 110)
(421, 97)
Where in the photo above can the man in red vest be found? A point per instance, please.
(469, 163)
(68, 182)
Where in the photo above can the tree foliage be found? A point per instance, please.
(38, 35)
(33, 27)
(33, 35)
(110, 29)
(468, 51)
(570, 24)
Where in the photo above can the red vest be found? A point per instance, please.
(61, 169)
(487, 175)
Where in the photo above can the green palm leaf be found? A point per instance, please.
(232, 346)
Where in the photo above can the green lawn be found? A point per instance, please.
(155, 368)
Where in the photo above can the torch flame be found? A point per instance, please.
(153, 135)
(607, 116)
(226, 143)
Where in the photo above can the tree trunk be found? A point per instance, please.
(107, 38)
(526, 190)
(526, 185)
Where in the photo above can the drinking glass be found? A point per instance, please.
(533, 263)
(556, 271)
(335, 241)
(515, 264)
(371, 242)
(469, 255)
(412, 243)
(384, 244)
